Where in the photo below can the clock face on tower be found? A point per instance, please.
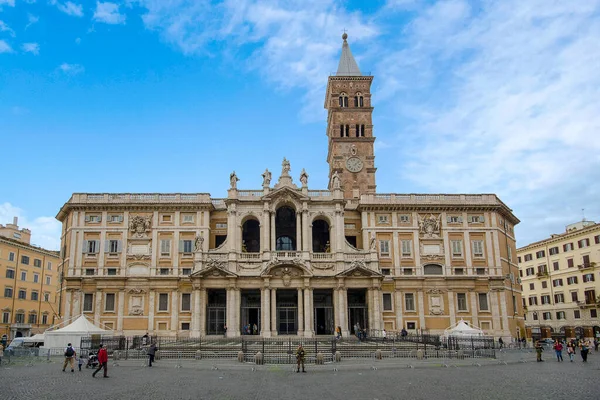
(354, 164)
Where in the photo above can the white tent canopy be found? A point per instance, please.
(72, 333)
(462, 328)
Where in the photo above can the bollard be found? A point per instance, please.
(378, 354)
(241, 356)
(258, 358)
(338, 356)
(320, 359)
(198, 355)
(419, 354)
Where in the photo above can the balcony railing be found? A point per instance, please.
(586, 265)
(321, 256)
(140, 198)
(250, 256)
(542, 274)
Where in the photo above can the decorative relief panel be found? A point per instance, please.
(429, 226)
(139, 226)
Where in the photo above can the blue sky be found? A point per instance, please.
(171, 96)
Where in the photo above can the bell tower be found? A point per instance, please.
(350, 127)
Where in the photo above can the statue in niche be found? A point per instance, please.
(335, 181)
(266, 177)
(304, 178)
(198, 243)
(233, 180)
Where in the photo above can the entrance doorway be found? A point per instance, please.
(250, 312)
(287, 312)
(216, 312)
(323, 311)
(357, 309)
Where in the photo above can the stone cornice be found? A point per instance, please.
(560, 238)
(25, 246)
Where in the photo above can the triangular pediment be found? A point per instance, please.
(359, 269)
(293, 194)
(214, 268)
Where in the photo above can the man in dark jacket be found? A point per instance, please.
(151, 354)
(102, 362)
(300, 357)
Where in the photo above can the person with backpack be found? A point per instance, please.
(571, 350)
(102, 362)
(69, 357)
(151, 354)
(585, 348)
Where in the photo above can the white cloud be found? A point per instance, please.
(71, 69)
(10, 3)
(108, 13)
(33, 48)
(5, 47)
(45, 231)
(502, 98)
(5, 28)
(69, 8)
(31, 19)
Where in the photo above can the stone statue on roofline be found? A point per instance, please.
(266, 177)
(285, 167)
(233, 180)
(304, 178)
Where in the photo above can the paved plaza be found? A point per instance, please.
(506, 377)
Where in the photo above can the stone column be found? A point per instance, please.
(398, 308)
(273, 312)
(202, 312)
(301, 312)
(377, 315)
(67, 313)
(273, 229)
(174, 311)
(451, 309)
(371, 307)
(474, 313)
(230, 317)
(121, 311)
(265, 326)
(306, 244)
(421, 308)
(336, 308)
(77, 309)
(151, 304)
(265, 230)
(308, 313)
(343, 312)
(195, 312)
(298, 232)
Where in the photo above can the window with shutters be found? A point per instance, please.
(461, 301)
(530, 271)
(384, 247)
(476, 219)
(586, 261)
(93, 218)
(163, 302)
(186, 303)
(11, 256)
(23, 275)
(570, 263)
(597, 239)
(165, 247)
(572, 280)
(32, 318)
(545, 299)
(454, 219)
(560, 315)
(583, 243)
(457, 248)
(576, 314)
(557, 282)
(531, 286)
(37, 263)
(113, 246)
(555, 265)
(540, 254)
(406, 248)
(115, 218)
(109, 302)
(387, 302)
(46, 296)
(553, 251)
(547, 316)
(91, 246)
(588, 278)
(483, 302)
(568, 247)
(559, 298)
(49, 266)
(6, 317)
(528, 257)
(404, 219)
(88, 302)
(20, 318)
(186, 246)
(409, 302)
(36, 278)
(478, 248)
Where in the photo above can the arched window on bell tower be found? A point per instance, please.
(360, 131)
(344, 130)
(358, 100)
(343, 100)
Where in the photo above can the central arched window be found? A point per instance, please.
(285, 243)
(358, 100)
(343, 100)
(251, 236)
(320, 236)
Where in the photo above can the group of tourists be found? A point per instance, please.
(250, 329)
(571, 346)
(71, 356)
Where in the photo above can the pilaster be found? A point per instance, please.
(421, 308)
(273, 312)
(451, 308)
(121, 310)
(174, 311)
(474, 309)
(301, 312)
(151, 304)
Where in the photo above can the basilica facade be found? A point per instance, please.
(287, 259)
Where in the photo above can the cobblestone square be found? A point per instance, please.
(506, 377)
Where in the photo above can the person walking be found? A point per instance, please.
(151, 354)
(558, 348)
(102, 362)
(80, 361)
(596, 343)
(500, 343)
(1, 353)
(585, 348)
(571, 350)
(538, 351)
(69, 357)
(300, 357)
(384, 334)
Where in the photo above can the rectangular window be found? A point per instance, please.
(20, 318)
(586, 261)
(116, 218)
(46, 296)
(590, 296)
(483, 302)
(109, 302)
(34, 296)
(114, 246)
(37, 262)
(111, 271)
(88, 302)
(596, 239)
(572, 280)
(188, 218)
(10, 273)
(8, 292)
(36, 278)
(407, 271)
(186, 271)
(547, 316)
(23, 275)
(387, 302)
(533, 301)
(510, 257)
(531, 286)
(45, 319)
(519, 259)
(560, 315)
(93, 218)
(555, 266)
(221, 225)
(11, 256)
(540, 254)
(32, 319)
(383, 219)
(25, 260)
(588, 278)
(49, 266)
(574, 297)
(528, 257)
(92, 246)
(406, 248)
(567, 247)
(386, 271)
(593, 313)
(457, 248)
(459, 271)
(409, 301)
(404, 219)
(570, 263)
(559, 298)
(576, 314)
(165, 247)
(185, 246)
(476, 218)
(461, 300)
(478, 248)
(535, 316)
(454, 219)
(545, 299)
(411, 326)
(553, 251)
(166, 218)
(90, 271)
(557, 282)
(22, 294)
(163, 302)
(544, 284)
(186, 301)
(384, 247)
(5, 317)
(530, 271)
(48, 280)
(583, 243)
(185, 326)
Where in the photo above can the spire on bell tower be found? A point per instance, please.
(349, 127)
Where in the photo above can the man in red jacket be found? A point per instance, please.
(102, 362)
